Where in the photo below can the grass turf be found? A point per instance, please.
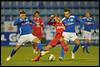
(25, 54)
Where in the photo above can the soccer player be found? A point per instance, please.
(70, 21)
(57, 23)
(38, 28)
(89, 25)
(24, 28)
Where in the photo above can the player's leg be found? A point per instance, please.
(52, 44)
(76, 42)
(88, 41)
(49, 46)
(21, 40)
(64, 45)
(64, 48)
(14, 50)
(86, 45)
(39, 35)
(34, 45)
(87, 37)
(62, 54)
(39, 44)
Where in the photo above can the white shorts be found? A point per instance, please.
(69, 36)
(25, 38)
(87, 35)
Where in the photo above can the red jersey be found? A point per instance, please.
(38, 30)
(59, 30)
(59, 26)
(39, 21)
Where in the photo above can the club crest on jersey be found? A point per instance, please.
(71, 20)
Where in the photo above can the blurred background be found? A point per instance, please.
(10, 10)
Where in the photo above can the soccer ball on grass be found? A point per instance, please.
(51, 57)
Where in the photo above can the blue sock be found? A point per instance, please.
(86, 47)
(75, 48)
(62, 53)
(12, 52)
(40, 46)
(83, 44)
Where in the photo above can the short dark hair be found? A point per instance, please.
(36, 12)
(22, 12)
(66, 9)
(88, 12)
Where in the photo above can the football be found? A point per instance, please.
(51, 57)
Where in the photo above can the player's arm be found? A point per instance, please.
(64, 22)
(50, 20)
(16, 22)
(63, 26)
(31, 21)
(81, 23)
(42, 23)
(94, 25)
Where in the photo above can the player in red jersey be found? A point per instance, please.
(58, 36)
(38, 29)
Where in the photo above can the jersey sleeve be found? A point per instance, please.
(80, 22)
(94, 24)
(63, 21)
(31, 21)
(16, 22)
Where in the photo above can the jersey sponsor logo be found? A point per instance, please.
(69, 24)
(60, 27)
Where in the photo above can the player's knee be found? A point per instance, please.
(77, 42)
(88, 41)
(61, 39)
(36, 40)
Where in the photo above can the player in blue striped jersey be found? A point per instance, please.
(70, 21)
(89, 25)
(25, 30)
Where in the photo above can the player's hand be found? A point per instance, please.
(52, 16)
(95, 31)
(77, 33)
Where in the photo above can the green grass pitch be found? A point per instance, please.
(25, 54)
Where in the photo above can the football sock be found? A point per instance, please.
(83, 49)
(62, 53)
(40, 46)
(12, 52)
(75, 48)
(86, 47)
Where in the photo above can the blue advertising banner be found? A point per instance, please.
(8, 38)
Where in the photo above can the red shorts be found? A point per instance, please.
(55, 40)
